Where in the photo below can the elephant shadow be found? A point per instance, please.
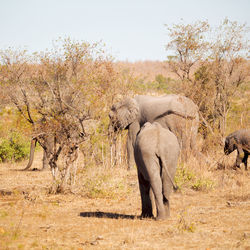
(99, 214)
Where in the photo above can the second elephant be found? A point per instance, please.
(177, 113)
(156, 155)
(240, 141)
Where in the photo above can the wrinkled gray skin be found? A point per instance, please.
(240, 141)
(175, 112)
(47, 145)
(156, 155)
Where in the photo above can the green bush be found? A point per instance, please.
(13, 148)
(186, 177)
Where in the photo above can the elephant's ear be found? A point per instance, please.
(230, 144)
(125, 112)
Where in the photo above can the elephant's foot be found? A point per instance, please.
(146, 215)
(162, 216)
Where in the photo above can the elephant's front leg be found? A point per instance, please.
(245, 159)
(240, 157)
(146, 203)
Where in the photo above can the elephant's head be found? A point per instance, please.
(229, 146)
(122, 114)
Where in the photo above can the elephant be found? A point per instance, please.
(156, 154)
(177, 113)
(47, 143)
(238, 140)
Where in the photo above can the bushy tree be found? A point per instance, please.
(57, 91)
(210, 65)
(188, 45)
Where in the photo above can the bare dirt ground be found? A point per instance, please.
(30, 218)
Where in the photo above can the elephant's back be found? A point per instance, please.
(245, 139)
(245, 133)
(240, 137)
(146, 140)
(154, 107)
(241, 134)
(169, 140)
(144, 99)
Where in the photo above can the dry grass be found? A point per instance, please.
(102, 214)
(147, 70)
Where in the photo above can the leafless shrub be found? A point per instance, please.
(56, 91)
(211, 65)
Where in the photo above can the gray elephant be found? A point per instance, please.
(177, 113)
(47, 143)
(156, 155)
(240, 141)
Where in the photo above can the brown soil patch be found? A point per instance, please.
(30, 218)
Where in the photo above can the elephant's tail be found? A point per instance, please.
(32, 150)
(162, 163)
(175, 187)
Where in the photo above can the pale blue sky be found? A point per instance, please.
(131, 29)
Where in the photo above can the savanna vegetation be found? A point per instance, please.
(67, 92)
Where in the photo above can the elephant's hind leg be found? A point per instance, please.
(240, 157)
(146, 204)
(157, 188)
(167, 185)
(166, 206)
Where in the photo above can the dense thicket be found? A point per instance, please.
(211, 64)
(67, 92)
